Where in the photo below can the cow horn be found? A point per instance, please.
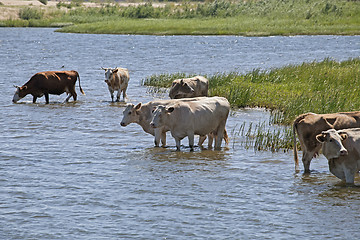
(16, 86)
(103, 68)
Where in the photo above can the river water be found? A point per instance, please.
(70, 171)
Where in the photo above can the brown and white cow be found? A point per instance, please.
(50, 82)
(342, 149)
(117, 79)
(142, 114)
(308, 125)
(189, 118)
(189, 87)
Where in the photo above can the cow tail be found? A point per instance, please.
(296, 158)
(226, 137)
(78, 76)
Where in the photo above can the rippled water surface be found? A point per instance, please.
(70, 171)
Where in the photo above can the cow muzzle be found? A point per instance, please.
(343, 152)
(123, 124)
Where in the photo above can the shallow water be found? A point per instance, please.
(70, 171)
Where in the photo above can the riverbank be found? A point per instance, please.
(250, 18)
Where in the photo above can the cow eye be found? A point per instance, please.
(129, 113)
(330, 140)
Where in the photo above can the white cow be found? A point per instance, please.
(342, 149)
(189, 118)
(117, 79)
(189, 87)
(142, 115)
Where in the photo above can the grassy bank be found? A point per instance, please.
(250, 18)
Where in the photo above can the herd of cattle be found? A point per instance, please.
(190, 111)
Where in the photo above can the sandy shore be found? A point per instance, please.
(9, 9)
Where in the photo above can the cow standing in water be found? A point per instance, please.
(117, 79)
(50, 82)
(189, 87)
(189, 118)
(308, 125)
(342, 149)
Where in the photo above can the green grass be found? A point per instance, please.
(320, 87)
(247, 18)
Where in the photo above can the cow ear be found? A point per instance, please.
(23, 88)
(137, 107)
(182, 81)
(321, 137)
(343, 136)
(170, 109)
(115, 70)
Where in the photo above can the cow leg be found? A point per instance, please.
(73, 93)
(191, 141)
(163, 138)
(68, 97)
(210, 140)
(34, 99)
(118, 95)
(201, 140)
(46, 98)
(177, 140)
(157, 132)
(306, 159)
(219, 135)
(112, 95)
(124, 95)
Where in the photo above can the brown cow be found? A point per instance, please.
(308, 125)
(50, 82)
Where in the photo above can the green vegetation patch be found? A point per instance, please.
(219, 17)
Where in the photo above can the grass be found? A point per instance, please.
(248, 18)
(320, 87)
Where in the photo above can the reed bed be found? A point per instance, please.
(320, 87)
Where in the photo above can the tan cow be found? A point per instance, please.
(308, 125)
(49, 82)
(189, 87)
(342, 149)
(117, 79)
(189, 118)
(142, 115)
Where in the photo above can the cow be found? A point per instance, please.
(200, 117)
(189, 87)
(117, 79)
(342, 149)
(308, 125)
(49, 82)
(142, 115)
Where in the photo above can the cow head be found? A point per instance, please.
(159, 114)
(19, 93)
(130, 114)
(109, 73)
(332, 146)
